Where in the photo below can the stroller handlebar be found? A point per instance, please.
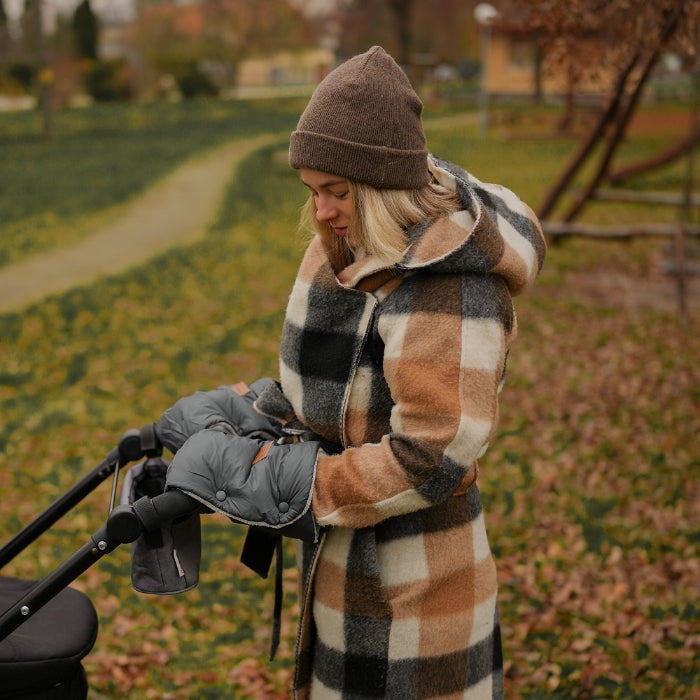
(137, 443)
(174, 504)
(127, 521)
(133, 445)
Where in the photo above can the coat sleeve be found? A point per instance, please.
(444, 361)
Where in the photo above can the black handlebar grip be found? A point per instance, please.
(174, 504)
(123, 524)
(135, 444)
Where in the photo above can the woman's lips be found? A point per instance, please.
(341, 231)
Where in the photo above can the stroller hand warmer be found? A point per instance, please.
(229, 408)
(249, 480)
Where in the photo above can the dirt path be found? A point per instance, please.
(176, 209)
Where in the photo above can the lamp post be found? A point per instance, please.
(485, 15)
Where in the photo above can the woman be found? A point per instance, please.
(393, 355)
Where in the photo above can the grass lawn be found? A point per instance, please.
(590, 489)
(102, 156)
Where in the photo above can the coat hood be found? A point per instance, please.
(495, 233)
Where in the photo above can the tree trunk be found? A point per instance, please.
(402, 12)
(567, 120)
(614, 141)
(622, 119)
(46, 76)
(586, 148)
(608, 115)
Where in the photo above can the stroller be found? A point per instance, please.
(47, 628)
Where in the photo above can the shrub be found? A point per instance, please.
(107, 81)
(193, 82)
(23, 73)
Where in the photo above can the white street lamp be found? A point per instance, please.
(485, 14)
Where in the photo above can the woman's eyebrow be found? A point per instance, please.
(328, 183)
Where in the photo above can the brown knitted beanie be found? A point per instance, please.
(363, 122)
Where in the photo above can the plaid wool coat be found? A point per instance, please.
(402, 368)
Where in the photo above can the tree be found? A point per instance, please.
(362, 23)
(85, 31)
(4, 29)
(443, 30)
(185, 40)
(34, 51)
(30, 24)
(401, 10)
(631, 37)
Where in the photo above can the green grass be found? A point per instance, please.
(102, 156)
(589, 487)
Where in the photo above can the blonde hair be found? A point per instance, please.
(379, 221)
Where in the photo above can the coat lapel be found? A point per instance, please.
(324, 334)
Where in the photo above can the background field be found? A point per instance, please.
(591, 488)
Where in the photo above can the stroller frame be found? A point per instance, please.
(123, 525)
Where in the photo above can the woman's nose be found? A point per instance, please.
(325, 211)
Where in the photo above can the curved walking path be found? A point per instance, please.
(177, 209)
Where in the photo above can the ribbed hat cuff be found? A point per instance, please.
(377, 166)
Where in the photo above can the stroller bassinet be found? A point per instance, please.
(41, 660)
(47, 628)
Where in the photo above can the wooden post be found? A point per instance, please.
(687, 206)
(686, 213)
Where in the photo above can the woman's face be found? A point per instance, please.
(331, 195)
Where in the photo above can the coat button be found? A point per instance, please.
(283, 507)
(221, 495)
